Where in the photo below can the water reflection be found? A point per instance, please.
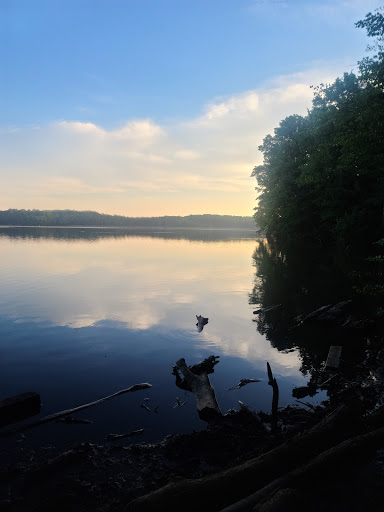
(138, 281)
(301, 278)
(86, 234)
(84, 313)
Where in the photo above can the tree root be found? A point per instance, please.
(214, 492)
(352, 450)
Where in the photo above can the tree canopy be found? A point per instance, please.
(323, 173)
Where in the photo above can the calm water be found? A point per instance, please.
(87, 312)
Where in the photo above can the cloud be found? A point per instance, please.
(198, 165)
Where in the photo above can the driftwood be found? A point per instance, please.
(243, 382)
(275, 399)
(196, 380)
(217, 491)
(57, 415)
(201, 321)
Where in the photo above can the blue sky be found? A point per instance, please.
(156, 107)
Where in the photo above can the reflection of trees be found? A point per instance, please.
(301, 278)
(94, 234)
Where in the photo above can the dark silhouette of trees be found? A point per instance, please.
(323, 174)
(88, 218)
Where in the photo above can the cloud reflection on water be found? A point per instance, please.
(141, 283)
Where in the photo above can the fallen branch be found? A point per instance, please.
(55, 416)
(243, 382)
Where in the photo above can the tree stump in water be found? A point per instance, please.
(196, 381)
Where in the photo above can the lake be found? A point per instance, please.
(86, 312)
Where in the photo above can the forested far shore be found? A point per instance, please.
(14, 217)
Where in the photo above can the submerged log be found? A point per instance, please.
(19, 407)
(196, 381)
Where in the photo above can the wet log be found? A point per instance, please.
(217, 491)
(68, 412)
(196, 380)
(19, 407)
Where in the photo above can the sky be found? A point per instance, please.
(157, 107)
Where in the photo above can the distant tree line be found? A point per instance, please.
(323, 173)
(89, 218)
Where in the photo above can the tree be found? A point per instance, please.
(323, 174)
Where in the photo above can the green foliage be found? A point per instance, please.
(323, 174)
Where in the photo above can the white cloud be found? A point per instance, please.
(143, 168)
